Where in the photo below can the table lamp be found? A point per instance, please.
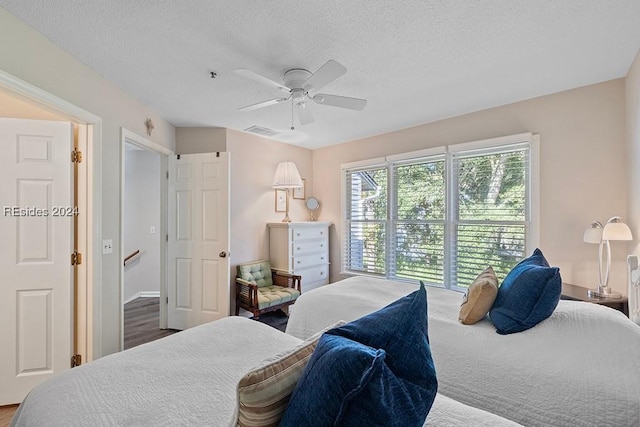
(286, 177)
(614, 229)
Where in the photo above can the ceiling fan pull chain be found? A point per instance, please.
(292, 128)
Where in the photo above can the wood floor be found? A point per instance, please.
(6, 413)
(141, 320)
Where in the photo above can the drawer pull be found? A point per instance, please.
(298, 247)
(298, 234)
(321, 258)
(321, 245)
(322, 273)
(298, 262)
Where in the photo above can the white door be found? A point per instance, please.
(198, 259)
(35, 255)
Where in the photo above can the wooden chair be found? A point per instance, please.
(260, 289)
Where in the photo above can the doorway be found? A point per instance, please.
(23, 100)
(143, 222)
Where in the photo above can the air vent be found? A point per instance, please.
(258, 130)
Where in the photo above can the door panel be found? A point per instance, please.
(198, 277)
(36, 295)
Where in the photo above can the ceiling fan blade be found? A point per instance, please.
(263, 104)
(330, 71)
(340, 101)
(261, 79)
(304, 114)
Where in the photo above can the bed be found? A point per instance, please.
(580, 367)
(188, 378)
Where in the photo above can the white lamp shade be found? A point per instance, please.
(287, 176)
(615, 229)
(593, 234)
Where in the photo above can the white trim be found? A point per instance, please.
(417, 155)
(491, 142)
(534, 186)
(143, 294)
(128, 137)
(361, 164)
(142, 142)
(45, 100)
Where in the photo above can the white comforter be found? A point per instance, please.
(580, 367)
(187, 379)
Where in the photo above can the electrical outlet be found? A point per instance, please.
(107, 246)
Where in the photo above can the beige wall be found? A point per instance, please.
(27, 55)
(253, 163)
(632, 92)
(582, 168)
(200, 140)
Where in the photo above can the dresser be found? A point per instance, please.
(301, 248)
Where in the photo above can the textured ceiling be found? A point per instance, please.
(415, 61)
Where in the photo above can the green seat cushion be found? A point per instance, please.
(258, 273)
(273, 295)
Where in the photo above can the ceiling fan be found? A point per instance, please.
(300, 85)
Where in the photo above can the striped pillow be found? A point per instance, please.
(263, 393)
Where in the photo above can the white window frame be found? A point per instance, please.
(533, 185)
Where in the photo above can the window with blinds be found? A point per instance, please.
(418, 220)
(441, 218)
(490, 211)
(365, 248)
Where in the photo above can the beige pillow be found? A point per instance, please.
(479, 298)
(263, 393)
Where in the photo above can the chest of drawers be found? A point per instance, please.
(301, 248)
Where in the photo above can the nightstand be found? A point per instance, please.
(578, 293)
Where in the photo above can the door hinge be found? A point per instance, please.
(167, 174)
(76, 258)
(76, 156)
(76, 360)
(166, 237)
(167, 300)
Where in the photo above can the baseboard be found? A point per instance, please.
(144, 294)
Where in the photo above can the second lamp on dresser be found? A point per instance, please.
(301, 248)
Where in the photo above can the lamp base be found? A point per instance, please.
(286, 219)
(603, 292)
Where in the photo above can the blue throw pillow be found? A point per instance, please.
(376, 370)
(527, 296)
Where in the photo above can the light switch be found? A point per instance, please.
(107, 246)
(152, 230)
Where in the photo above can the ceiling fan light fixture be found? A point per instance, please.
(301, 85)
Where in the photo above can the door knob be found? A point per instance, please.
(223, 254)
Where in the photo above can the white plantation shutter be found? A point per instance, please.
(489, 224)
(365, 240)
(444, 217)
(418, 220)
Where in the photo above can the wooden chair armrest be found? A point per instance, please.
(282, 273)
(246, 283)
(286, 279)
(246, 292)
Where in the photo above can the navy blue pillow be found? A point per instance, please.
(527, 296)
(376, 370)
